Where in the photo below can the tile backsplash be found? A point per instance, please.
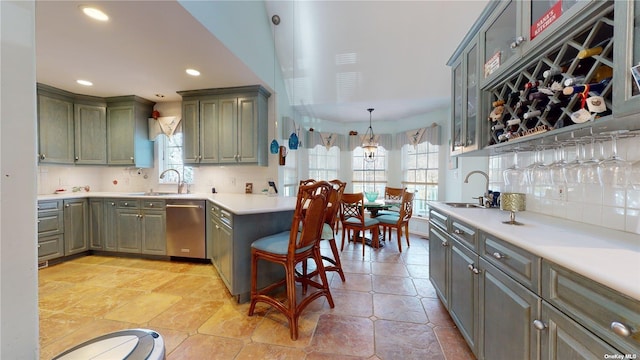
(606, 206)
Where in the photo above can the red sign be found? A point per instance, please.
(547, 19)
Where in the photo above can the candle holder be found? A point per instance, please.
(512, 202)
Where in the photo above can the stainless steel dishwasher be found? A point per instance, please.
(186, 228)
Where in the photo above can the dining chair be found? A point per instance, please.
(289, 248)
(352, 219)
(399, 221)
(392, 195)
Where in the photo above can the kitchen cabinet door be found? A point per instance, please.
(563, 338)
(248, 130)
(110, 242)
(128, 131)
(128, 230)
(627, 57)
(223, 251)
(507, 313)
(229, 130)
(463, 295)
(439, 257)
(96, 224)
(209, 131)
(55, 129)
(90, 134)
(191, 131)
(154, 232)
(75, 226)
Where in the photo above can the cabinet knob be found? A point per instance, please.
(113, 204)
(457, 231)
(444, 243)
(620, 329)
(42, 156)
(539, 325)
(498, 256)
(473, 269)
(519, 40)
(131, 159)
(66, 205)
(150, 204)
(77, 158)
(217, 227)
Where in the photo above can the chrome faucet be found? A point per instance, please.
(180, 183)
(485, 197)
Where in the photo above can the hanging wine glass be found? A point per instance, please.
(570, 170)
(556, 172)
(514, 176)
(614, 170)
(588, 171)
(537, 174)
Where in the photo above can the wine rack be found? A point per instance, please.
(541, 97)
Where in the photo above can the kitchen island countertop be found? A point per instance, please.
(607, 256)
(239, 204)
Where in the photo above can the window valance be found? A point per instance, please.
(429, 134)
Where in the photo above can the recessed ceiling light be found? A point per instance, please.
(94, 13)
(84, 82)
(193, 72)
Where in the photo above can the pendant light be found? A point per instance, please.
(274, 148)
(368, 141)
(293, 138)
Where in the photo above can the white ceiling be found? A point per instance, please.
(349, 55)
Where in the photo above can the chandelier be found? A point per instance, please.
(368, 141)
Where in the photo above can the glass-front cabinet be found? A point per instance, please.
(627, 94)
(465, 120)
(515, 28)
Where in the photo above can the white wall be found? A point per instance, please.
(18, 257)
(617, 209)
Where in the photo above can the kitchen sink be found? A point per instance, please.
(154, 193)
(464, 205)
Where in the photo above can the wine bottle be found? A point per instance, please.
(532, 84)
(531, 114)
(554, 71)
(594, 50)
(574, 80)
(596, 87)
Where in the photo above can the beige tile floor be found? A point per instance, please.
(386, 309)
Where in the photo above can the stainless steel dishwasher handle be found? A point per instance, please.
(184, 206)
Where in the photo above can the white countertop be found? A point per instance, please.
(607, 256)
(239, 204)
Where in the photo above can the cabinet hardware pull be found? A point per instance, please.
(457, 231)
(126, 204)
(444, 243)
(519, 40)
(539, 325)
(217, 227)
(473, 269)
(113, 204)
(497, 255)
(77, 158)
(42, 156)
(620, 329)
(66, 205)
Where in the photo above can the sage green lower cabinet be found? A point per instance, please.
(463, 294)
(563, 338)
(141, 226)
(509, 303)
(76, 234)
(507, 313)
(439, 258)
(50, 230)
(222, 238)
(97, 227)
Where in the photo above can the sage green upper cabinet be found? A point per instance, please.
(503, 37)
(466, 121)
(627, 50)
(127, 131)
(55, 126)
(90, 133)
(226, 125)
(239, 130)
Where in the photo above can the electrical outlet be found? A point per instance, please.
(233, 181)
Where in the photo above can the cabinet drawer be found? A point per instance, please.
(514, 261)
(50, 247)
(594, 306)
(50, 223)
(128, 203)
(438, 219)
(464, 233)
(226, 218)
(50, 205)
(153, 204)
